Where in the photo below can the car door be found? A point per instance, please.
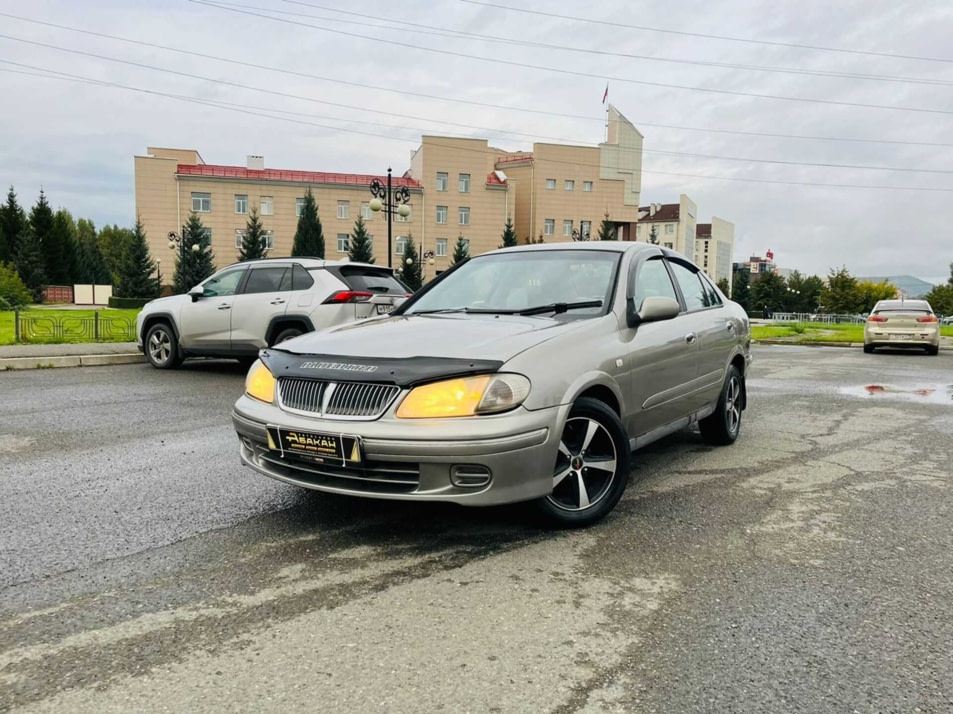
(264, 296)
(204, 325)
(707, 319)
(662, 356)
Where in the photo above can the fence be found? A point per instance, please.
(59, 327)
(814, 317)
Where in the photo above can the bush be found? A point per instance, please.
(12, 289)
(4, 305)
(121, 303)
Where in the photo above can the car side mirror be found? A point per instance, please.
(654, 309)
(197, 292)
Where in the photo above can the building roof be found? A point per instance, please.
(240, 172)
(663, 213)
(703, 230)
(493, 180)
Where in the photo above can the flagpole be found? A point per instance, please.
(605, 100)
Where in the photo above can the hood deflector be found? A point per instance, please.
(402, 372)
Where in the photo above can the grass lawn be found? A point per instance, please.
(58, 326)
(819, 332)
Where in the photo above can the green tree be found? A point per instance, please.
(509, 234)
(309, 238)
(941, 299)
(411, 269)
(137, 277)
(194, 261)
(842, 294)
(653, 235)
(360, 246)
(253, 239)
(872, 293)
(60, 249)
(113, 242)
(741, 289)
(535, 241)
(30, 264)
(13, 291)
(12, 223)
(41, 221)
(607, 229)
(769, 290)
(91, 265)
(461, 250)
(811, 292)
(724, 286)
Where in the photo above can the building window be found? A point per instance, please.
(442, 180)
(267, 206)
(299, 207)
(441, 246)
(669, 246)
(366, 212)
(269, 240)
(343, 243)
(402, 219)
(550, 184)
(464, 183)
(241, 203)
(202, 202)
(441, 214)
(669, 229)
(466, 243)
(570, 185)
(239, 237)
(269, 237)
(587, 185)
(399, 245)
(549, 226)
(585, 227)
(464, 215)
(344, 208)
(567, 228)
(638, 231)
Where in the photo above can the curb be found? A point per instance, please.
(858, 345)
(18, 363)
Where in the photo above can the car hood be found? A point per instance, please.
(166, 303)
(452, 336)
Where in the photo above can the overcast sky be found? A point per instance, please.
(77, 140)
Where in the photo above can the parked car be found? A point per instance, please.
(260, 303)
(902, 323)
(948, 320)
(524, 374)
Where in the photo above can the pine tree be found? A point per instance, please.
(461, 250)
(607, 230)
(653, 235)
(741, 289)
(60, 249)
(361, 249)
(509, 235)
(412, 270)
(91, 268)
(309, 238)
(724, 286)
(41, 221)
(137, 271)
(12, 223)
(253, 240)
(30, 264)
(195, 260)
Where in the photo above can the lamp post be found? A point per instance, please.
(579, 235)
(391, 201)
(175, 241)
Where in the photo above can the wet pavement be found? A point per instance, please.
(805, 568)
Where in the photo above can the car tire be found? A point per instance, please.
(933, 351)
(162, 347)
(723, 426)
(286, 334)
(592, 466)
(868, 349)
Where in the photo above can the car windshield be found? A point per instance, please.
(519, 281)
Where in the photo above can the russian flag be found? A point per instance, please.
(606, 95)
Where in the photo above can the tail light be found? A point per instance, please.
(876, 318)
(343, 296)
(928, 318)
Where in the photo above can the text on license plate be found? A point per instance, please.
(383, 309)
(322, 448)
(901, 337)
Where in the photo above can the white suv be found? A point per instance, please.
(259, 303)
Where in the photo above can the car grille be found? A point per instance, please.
(335, 400)
(370, 477)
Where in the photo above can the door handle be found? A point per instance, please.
(225, 307)
(690, 338)
(279, 301)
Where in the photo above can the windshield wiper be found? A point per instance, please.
(441, 311)
(559, 307)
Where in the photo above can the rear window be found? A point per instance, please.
(372, 280)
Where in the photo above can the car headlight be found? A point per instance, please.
(465, 396)
(260, 383)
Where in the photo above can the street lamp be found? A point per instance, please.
(391, 201)
(579, 235)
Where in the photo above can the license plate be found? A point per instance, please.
(901, 337)
(312, 446)
(384, 309)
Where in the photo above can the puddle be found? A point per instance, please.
(936, 394)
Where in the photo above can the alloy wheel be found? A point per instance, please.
(733, 405)
(585, 466)
(160, 346)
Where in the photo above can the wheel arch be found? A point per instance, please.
(283, 322)
(150, 320)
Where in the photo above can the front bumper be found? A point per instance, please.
(425, 460)
(902, 338)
